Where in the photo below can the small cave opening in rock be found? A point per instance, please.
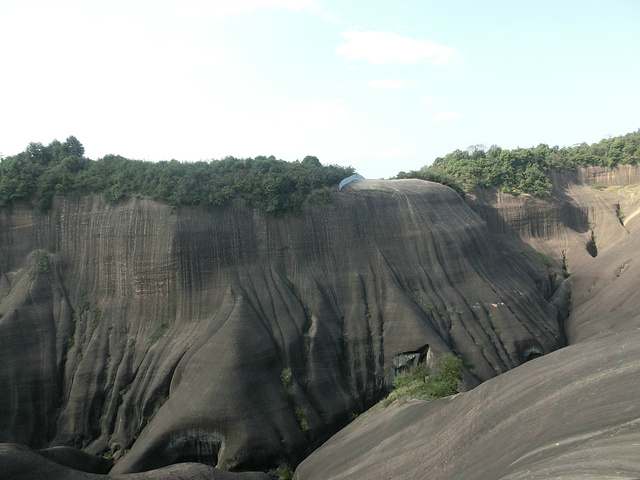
(532, 353)
(403, 362)
(529, 350)
(192, 445)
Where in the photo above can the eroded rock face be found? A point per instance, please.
(571, 414)
(237, 339)
(589, 212)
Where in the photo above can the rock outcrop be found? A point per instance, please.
(237, 339)
(588, 208)
(21, 463)
(571, 414)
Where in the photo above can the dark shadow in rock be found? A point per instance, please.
(529, 349)
(77, 459)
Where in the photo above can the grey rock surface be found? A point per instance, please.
(241, 340)
(18, 462)
(572, 414)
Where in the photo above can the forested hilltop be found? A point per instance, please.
(524, 170)
(40, 172)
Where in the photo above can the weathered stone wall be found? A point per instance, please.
(124, 326)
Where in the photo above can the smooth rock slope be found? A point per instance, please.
(241, 340)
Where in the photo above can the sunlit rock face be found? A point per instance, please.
(243, 340)
(592, 207)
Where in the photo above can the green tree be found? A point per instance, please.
(73, 147)
(41, 172)
(525, 170)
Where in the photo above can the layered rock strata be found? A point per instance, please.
(237, 339)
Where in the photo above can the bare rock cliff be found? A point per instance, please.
(237, 339)
(590, 211)
(572, 414)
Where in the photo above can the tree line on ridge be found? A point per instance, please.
(41, 172)
(525, 170)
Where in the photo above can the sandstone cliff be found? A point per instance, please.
(571, 414)
(238, 339)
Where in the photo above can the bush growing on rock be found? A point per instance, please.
(525, 170)
(427, 383)
(40, 172)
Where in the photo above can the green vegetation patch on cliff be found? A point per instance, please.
(40, 172)
(525, 170)
(426, 383)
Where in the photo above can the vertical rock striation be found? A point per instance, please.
(573, 413)
(239, 339)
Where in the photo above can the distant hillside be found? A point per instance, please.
(40, 172)
(525, 170)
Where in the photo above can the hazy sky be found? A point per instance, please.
(381, 85)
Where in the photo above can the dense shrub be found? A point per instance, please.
(40, 172)
(525, 170)
(425, 383)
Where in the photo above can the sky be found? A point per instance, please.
(381, 85)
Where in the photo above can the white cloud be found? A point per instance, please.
(426, 100)
(384, 83)
(386, 47)
(446, 116)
